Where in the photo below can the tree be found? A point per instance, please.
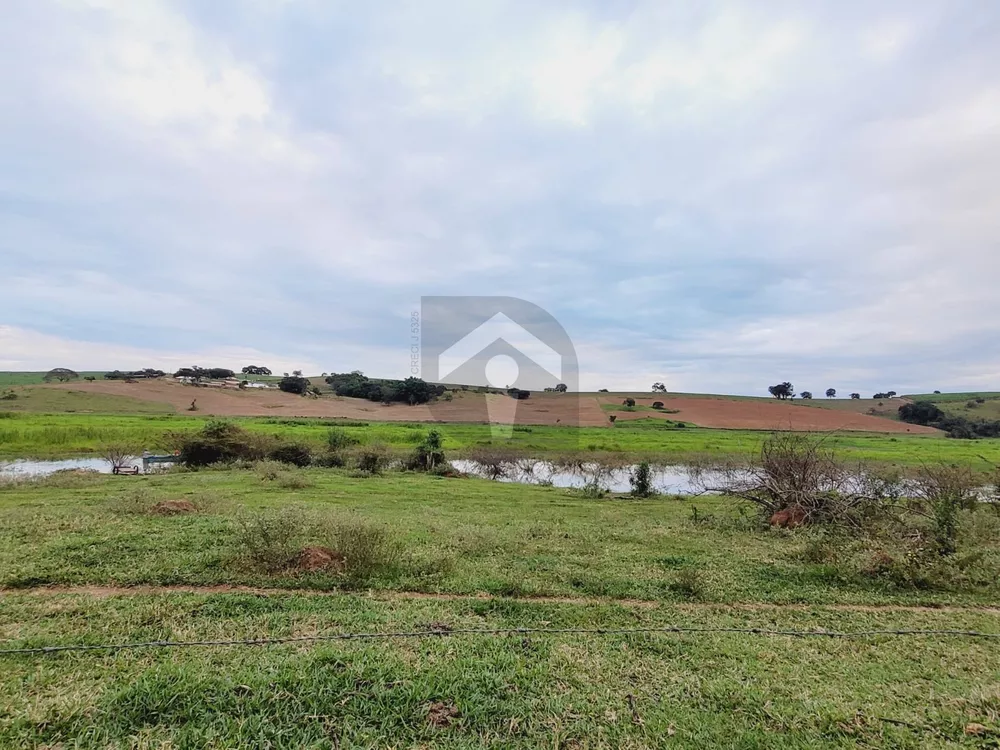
(256, 370)
(628, 403)
(831, 393)
(782, 390)
(297, 373)
(890, 394)
(603, 390)
(920, 412)
(61, 374)
(659, 388)
(807, 394)
(855, 396)
(292, 384)
(561, 388)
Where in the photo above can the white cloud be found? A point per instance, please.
(677, 184)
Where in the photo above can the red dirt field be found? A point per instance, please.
(762, 414)
(540, 409)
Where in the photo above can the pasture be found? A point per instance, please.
(89, 559)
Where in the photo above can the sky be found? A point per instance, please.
(716, 195)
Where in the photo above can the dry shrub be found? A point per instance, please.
(797, 473)
(289, 540)
(495, 461)
(120, 453)
(944, 491)
(367, 550)
(270, 541)
(597, 472)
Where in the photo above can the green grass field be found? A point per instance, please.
(478, 555)
(64, 435)
(10, 378)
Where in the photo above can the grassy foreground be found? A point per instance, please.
(24, 435)
(521, 691)
(473, 554)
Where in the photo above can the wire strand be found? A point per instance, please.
(442, 633)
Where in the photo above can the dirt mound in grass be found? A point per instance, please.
(173, 508)
(313, 559)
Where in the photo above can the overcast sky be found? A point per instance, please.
(718, 195)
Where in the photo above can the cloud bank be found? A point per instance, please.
(717, 196)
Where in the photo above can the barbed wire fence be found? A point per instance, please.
(447, 632)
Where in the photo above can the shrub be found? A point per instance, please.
(946, 490)
(296, 454)
(330, 459)
(338, 439)
(366, 549)
(920, 412)
(657, 404)
(270, 541)
(629, 403)
(428, 454)
(373, 459)
(294, 384)
(494, 461)
(796, 473)
(119, 453)
(641, 480)
(220, 441)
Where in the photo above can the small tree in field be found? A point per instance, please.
(61, 374)
(807, 394)
(628, 403)
(831, 393)
(659, 388)
(782, 390)
(561, 388)
(855, 396)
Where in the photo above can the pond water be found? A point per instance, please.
(667, 479)
(27, 467)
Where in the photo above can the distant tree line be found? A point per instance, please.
(357, 385)
(929, 414)
(209, 373)
(145, 373)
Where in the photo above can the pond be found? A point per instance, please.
(28, 467)
(673, 480)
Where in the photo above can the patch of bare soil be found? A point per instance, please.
(173, 508)
(442, 714)
(313, 559)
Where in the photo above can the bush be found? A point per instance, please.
(657, 404)
(220, 442)
(270, 541)
(366, 550)
(428, 454)
(294, 384)
(296, 454)
(373, 459)
(330, 459)
(338, 439)
(641, 480)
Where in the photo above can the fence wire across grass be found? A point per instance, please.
(445, 632)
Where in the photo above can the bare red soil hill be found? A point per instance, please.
(540, 409)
